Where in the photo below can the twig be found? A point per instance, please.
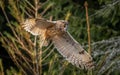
(48, 54)
(88, 31)
(48, 7)
(37, 50)
(1, 68)
(4, 12)
(29, 4)
(36, 8)
(88, 27)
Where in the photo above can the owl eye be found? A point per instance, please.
(64, 26)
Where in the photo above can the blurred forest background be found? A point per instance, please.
(21, 54)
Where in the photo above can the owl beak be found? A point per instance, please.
(66, 26)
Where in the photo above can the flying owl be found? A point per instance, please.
(67, 46)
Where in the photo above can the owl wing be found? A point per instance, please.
(72, 51)
(37, 26)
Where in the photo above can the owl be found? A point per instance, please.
(66, 45)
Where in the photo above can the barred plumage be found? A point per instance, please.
(66, 45)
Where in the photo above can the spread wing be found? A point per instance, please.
(64, 43)
(37, 26)
(72, 51)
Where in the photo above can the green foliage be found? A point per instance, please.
(20, 45)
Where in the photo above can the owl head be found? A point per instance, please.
(61, 25)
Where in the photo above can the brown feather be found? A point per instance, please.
(63, 41)
(72, 51)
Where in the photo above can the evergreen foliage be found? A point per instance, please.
(31, 59)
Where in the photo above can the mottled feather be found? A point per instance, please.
(37, 26)
(72, 51)
(66, 45)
